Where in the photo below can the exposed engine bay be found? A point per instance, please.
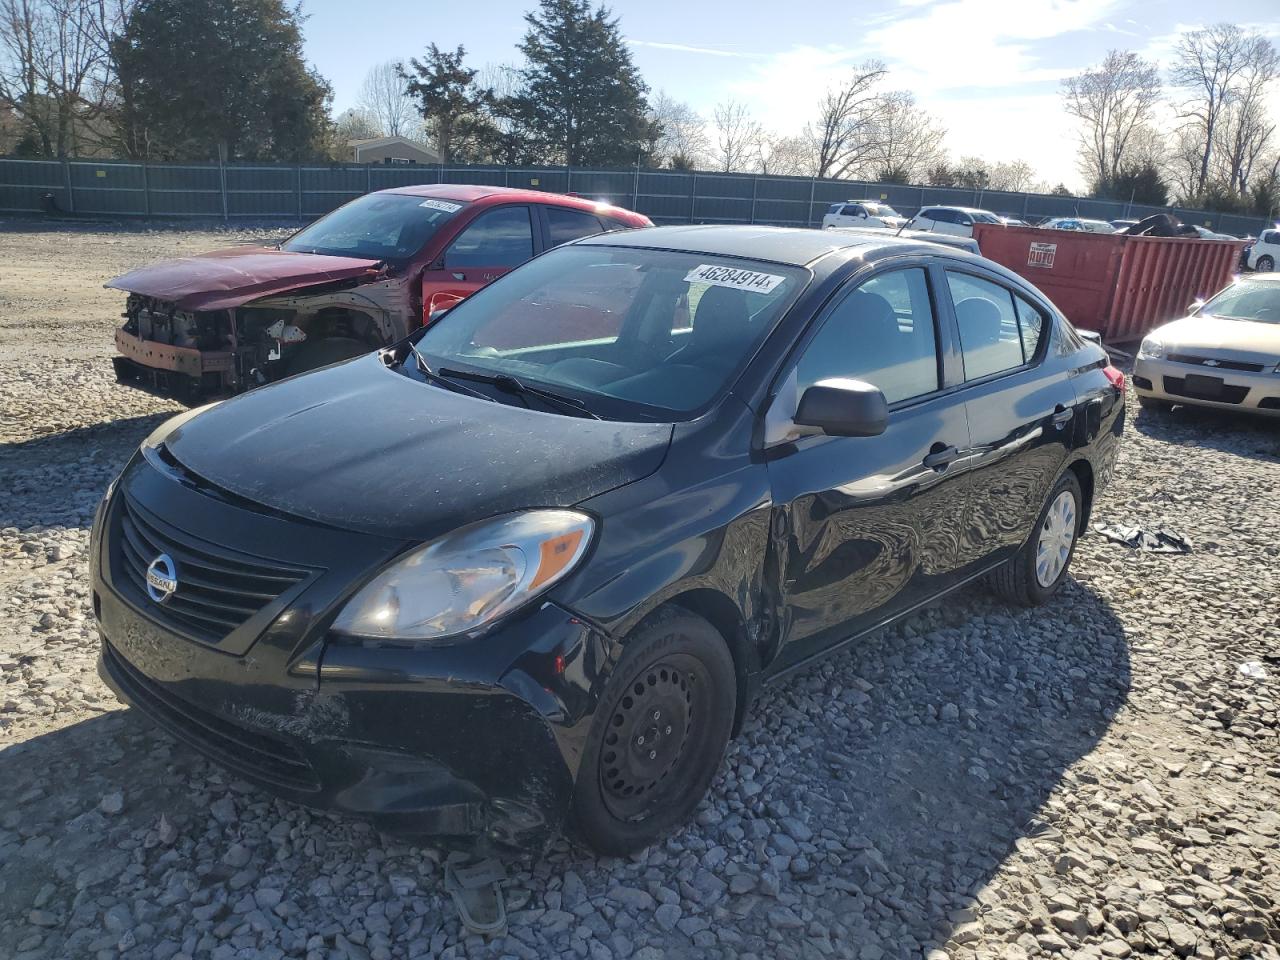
(195, 356)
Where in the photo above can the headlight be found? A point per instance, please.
(453, 586)
(1151, 349)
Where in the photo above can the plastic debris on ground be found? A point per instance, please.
(1252, 669)
(474, 886)
(1151, 541)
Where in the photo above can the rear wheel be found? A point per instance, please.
(1265, 264)
(658, 735)
(1034, 574)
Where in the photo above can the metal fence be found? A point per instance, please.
(303, 192)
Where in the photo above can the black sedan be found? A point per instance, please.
(529, 567)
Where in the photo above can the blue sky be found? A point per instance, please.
(989, 69)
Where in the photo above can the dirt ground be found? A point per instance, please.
(1095, 779)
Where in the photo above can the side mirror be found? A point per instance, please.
(841, 407)
(1196, 305)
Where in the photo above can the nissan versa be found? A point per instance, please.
(528, 567)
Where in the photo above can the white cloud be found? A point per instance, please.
(687, 48)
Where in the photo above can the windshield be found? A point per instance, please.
(1248, 300)
(633, 334)
(377, 226)
(981, 217)
(881, 210)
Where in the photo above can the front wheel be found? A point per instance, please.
(1154, 404)
(658, 735)
(1036, 571)
(1265, 265)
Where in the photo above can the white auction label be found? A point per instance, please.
(444, 205)
(734, 278)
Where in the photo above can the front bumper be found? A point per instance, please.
(184, 373)
(477, 741)
(1251, 391)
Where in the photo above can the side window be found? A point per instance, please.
(497, 238)
(835, 208)
(943, 216)
(565, 225)
(1271, 236)
(989, 335)
(854, 210)
(883, 333)
(1031, 326)
(964, 219)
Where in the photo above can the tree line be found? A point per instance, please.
(207, 79)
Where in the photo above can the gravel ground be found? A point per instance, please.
(1093, 779)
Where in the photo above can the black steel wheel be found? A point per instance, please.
(658, 735)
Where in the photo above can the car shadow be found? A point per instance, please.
(1247, 435)
(912, 806)
(57, 479)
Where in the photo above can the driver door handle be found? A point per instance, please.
(941, 457)
(1062, 415)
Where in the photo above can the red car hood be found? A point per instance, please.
(228, 278)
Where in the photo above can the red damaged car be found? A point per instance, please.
(362, 277)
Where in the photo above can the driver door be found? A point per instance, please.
(496, 241)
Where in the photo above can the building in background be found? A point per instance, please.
(392, 150)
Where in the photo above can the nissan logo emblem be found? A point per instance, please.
(162, 578)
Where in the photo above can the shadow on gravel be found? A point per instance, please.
(56, 479)
(913, 805)
(1252, 436)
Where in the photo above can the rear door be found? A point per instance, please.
(497, 240)
(1022, 407)
(562, 224)
(866, 527)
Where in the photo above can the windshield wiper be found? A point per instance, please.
(510, 384)
(432, 377)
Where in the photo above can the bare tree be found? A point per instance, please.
(55, 66)
(680, 133)
(1016, 176)
(737, 136)
(785, 156)
(907, 140)
(845, 134)
(1211, 65)
(1113, 101)
(383, 96)
(1245, 129)
(357, 123)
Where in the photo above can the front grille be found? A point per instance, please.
(1215, 363)
(217, 590)
(248, 752)
(1228, 393)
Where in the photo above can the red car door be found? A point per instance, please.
(497, 240)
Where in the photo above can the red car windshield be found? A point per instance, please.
(377, 226)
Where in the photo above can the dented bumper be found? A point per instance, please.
(471, 741)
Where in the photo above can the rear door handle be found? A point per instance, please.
(941, 457)
(1062, 415)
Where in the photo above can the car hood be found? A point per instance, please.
(1213, 336)
(365, 448)
(227, 278)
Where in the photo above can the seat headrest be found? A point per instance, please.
(979, 321)
(721, 317)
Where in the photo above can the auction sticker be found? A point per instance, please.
(733, 278)
(444, 205)
(1041, 254)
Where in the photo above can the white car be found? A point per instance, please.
(954, 220)
(862, 213)
(1264, 253)
(1225, 354)
(1079, 224)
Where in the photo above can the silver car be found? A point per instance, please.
(1226, 354)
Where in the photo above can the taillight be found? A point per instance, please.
(1115, 376)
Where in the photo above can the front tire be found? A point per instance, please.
(658, 734)
(314, 354)
(1034, 574)
(1265, 264)
(1154, 404)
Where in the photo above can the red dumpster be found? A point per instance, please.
(1120, 286)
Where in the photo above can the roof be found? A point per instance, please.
(471, 193)
(794, 246)
(949, 206)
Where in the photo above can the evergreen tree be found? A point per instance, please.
(202, 76)
(581, 99)
(455, 107)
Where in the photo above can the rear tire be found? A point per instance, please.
(1032, 576)
(658, 735)
(1265, 264)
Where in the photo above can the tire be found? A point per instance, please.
(1017, 581)
(1265, 264)
(676, 666)
(313, 354)
(1154, 404)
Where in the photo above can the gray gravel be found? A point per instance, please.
(1092, 780)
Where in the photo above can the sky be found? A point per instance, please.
(990, 70)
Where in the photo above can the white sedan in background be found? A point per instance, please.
(1226, 354)
(862, 213)
(957, 221)
(1079, 224)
